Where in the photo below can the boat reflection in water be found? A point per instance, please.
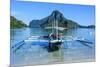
(56, 56)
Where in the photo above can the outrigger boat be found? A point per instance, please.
(52, 40)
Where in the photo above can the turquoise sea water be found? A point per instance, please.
(69, 51)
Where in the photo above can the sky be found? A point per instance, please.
(28, 11)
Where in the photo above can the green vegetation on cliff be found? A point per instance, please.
(14, 23)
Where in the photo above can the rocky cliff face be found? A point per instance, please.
(55, 15)
(34, 23)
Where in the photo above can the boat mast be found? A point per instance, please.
(57, 28)
(52, 27)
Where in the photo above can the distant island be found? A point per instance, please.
(90, 26)
(62, 22)
(47, 22)
(15, 23)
